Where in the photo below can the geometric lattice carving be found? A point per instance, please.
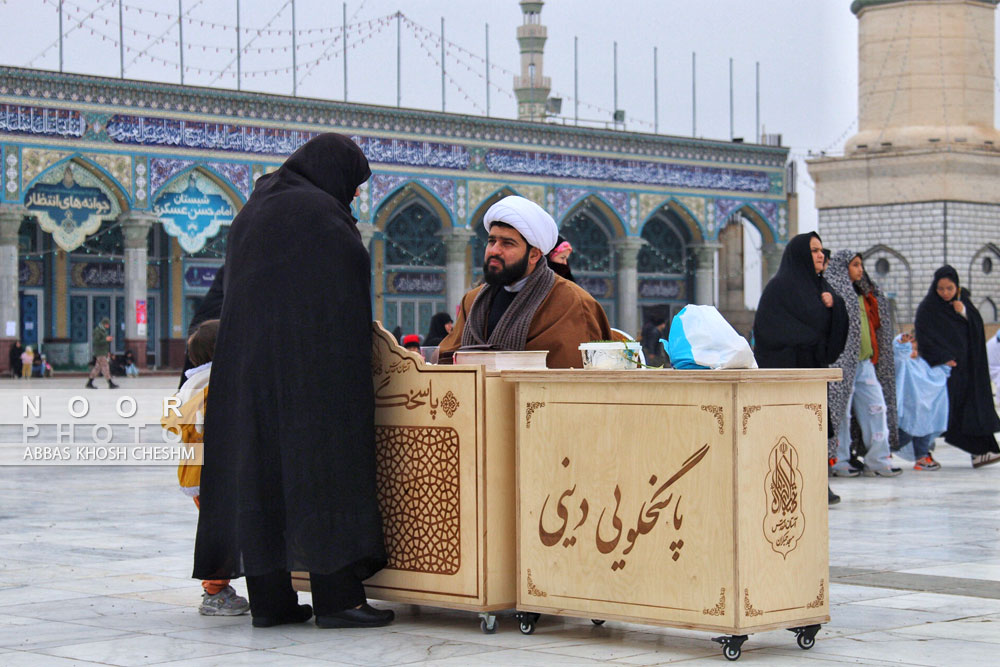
(417, 482)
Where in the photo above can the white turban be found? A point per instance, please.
(535, 225)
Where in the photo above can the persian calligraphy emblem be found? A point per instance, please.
(192, 211)
(70, 205)
(784, 521)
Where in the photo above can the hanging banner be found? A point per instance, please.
(70, 205)
(193, 210)
(140, 317)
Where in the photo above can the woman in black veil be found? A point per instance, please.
(950, 331)
(289, 468)
(800, 320)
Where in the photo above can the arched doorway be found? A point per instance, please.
(984, 279)
(665, 272)
(82, 248)
(891, 272)
(741, 266)
(195, 208)
(414, 280)
(589, 231)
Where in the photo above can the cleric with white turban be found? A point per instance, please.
(531, 220)
(523, 304)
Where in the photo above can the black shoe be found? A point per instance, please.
(364, 616)
(301, 614)
(112, 385)
(832, 498)
(90, 384)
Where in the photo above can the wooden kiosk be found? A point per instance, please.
(691, 499)
(445, 475)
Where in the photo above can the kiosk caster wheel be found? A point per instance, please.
(526, 621)
(805, 636)
(488, 624)
(732, 645)
(597, 621)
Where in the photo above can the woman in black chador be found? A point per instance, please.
(801, 322)
(440, 327)
(950, 331)
(289, 475)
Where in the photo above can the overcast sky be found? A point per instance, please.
(807, 53)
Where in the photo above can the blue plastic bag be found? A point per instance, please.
(700, 337)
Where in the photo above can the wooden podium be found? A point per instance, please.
(444, 441)
(692, 499)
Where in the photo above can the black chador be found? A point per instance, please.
(943, 335)
(289, 476)
(793, 328)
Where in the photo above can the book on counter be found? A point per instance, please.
(503, 360)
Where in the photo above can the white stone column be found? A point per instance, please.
(770, 255)
(456, 244)
(135, 229)
(626, 268)
(706, 255)
(11, 217)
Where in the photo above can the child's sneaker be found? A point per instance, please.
(224, 603)
(927, 463)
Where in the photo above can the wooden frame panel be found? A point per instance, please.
(445, 482)
(746, 453)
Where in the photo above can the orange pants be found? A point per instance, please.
(211, 586)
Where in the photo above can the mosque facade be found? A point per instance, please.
(117, 198)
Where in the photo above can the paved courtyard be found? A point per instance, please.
(95, 564)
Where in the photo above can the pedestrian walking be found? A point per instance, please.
(100, 347)
(15, 359)
(800, 322)
(868, 390)
(921, 401)
(950, 331)
(993, 355)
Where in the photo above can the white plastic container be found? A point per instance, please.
(610, 356)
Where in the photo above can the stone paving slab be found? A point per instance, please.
(94, 565)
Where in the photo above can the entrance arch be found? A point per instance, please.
(664, 265)
(410, 282)
(891, 271)
(590, 227)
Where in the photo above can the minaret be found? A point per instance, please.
(918, 186)
(532, 88)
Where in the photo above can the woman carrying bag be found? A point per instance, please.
(950, 331)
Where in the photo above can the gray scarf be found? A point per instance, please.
(511, 332)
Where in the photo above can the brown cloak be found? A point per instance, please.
(567, 317)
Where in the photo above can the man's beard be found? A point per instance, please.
(508, 275)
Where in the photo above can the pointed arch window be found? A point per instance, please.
(664, 252)
(411, 237)
(591, 244)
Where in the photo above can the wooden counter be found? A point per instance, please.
(691, 499)
(445, 474)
